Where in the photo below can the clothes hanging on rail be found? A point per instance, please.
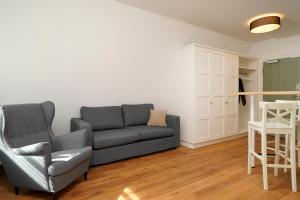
(241, 89)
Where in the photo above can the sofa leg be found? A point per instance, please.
(54, 196)
(17, 190)
(85, 176)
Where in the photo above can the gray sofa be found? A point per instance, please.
(120, 132)
(33, 157)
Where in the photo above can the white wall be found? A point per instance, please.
(276, 48)
(95, 53)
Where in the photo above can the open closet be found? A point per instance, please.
(248, 75)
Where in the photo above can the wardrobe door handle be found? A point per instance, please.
(226, 102)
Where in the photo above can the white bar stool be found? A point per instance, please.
(297, 130)
(277, 119)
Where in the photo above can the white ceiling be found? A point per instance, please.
(229, 17)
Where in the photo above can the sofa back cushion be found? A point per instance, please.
(103, 118)
(136, 114)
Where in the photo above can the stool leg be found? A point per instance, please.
(253, 147)
(286, 151)
(250, 156)
(264, 159)
(293, 163)
(276, 160)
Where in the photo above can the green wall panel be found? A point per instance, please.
(281, 76)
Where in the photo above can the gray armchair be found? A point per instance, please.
(33, 157)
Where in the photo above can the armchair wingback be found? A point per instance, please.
(32, 156)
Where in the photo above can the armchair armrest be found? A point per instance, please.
(74, 140)
(79, 124)
(37, 149)
(174, 123)
(33, 160)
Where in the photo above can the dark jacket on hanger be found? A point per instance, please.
(241, 89)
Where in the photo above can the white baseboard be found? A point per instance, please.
(202, 144)
(187, 144)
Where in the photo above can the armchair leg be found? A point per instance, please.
(54, 196)
(17, 190)
(85, 176)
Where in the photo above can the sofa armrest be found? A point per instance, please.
(74, 140)
(79, 124)
(174, 123)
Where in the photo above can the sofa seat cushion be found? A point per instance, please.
(114, 137)
(63, 161)
(148, 133)
(138, 114)
(103, 118)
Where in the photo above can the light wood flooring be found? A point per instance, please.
(213, 172)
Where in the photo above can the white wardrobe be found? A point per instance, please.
(212, 110)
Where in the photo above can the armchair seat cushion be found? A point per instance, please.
(148, 133)
(63, 161)
(114, 137)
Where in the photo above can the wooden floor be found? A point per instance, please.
(213, 172)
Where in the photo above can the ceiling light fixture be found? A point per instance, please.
(265, 24)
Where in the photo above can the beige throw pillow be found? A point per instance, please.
(157, 118)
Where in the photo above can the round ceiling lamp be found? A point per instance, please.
(265, 24)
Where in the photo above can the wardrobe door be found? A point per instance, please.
(215, 103)
(216, 119)
(202, 99)
(230, 100)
